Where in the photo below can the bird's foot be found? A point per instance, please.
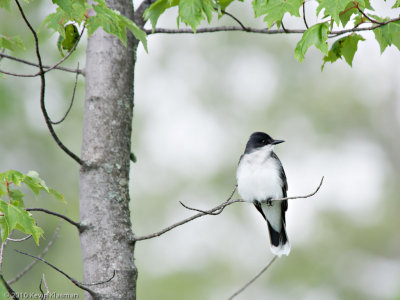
(269, 201)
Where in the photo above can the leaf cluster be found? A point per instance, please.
(12, 208)
(80, 13)
(331, 15)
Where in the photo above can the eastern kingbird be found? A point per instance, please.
(260, 177)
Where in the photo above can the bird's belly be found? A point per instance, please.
(259, 184)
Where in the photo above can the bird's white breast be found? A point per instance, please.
(258, 176)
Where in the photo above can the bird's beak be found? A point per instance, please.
(275, 142)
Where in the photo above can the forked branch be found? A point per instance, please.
(215, 211)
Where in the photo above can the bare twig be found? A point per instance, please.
(45, 250)
(42, 70)
(101, 282)
(283, 27)
(304, 14)
(262, 30)
(221, 29)
(215, 211)
(74, 281)
(72, 100)
(3, 245)
(69, 53)
(19, 240)
(253, 279)
(2, 55)
(42, 88)
(200, 214)
(236, 19)
(366, 16)
(297, 197)
(43, 296)
(2, 52)
(76, 224)
(138, 17)
(9, 289)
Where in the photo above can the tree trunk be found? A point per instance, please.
(107, 242)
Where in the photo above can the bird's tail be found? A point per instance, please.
(279, 240)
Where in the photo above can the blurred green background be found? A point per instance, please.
(197, 99)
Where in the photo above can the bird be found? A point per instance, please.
(261, 178)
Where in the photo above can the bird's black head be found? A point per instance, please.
(258, 140)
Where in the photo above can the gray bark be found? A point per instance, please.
(107, 242)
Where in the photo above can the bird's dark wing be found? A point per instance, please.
(284, 186)
(258, 206)
(282, 175)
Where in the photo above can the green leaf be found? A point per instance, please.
(346, 14)
(192, 12)
(71, 37)
(16, 197)
(259, 7)
(315, 35)
(35, 183)
(334, 53)
(345, 47)
(276, 9)
(68, 10)
(136, 31)
(349, 47)
(56, 21)
(333, 8)
(114, 23)
(56, 195)
(157, 9)
(75, 10)
(387, 35)
(12, 176)
(396, 4)
(225, 3)
(17, 218)
(5, 4)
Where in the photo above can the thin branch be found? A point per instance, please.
(101, 282)
(68, 54)
(304, 14)
(9, 289)
(2, 55)
(261, 30)
(72, 100)
(42, 88)
(366, 16)
(2, 52)
(283, 27)
(253, 279)
(45, 250)
(221, 29)
(19, 240)
(48, 68)
(74, 281)
(236, 19)
(79, 226)
(3, 245)
(200, 214)
(297, 197)
(43, 296)
(138, 17)
(215, 211)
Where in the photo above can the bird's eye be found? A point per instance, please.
(263, 141)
